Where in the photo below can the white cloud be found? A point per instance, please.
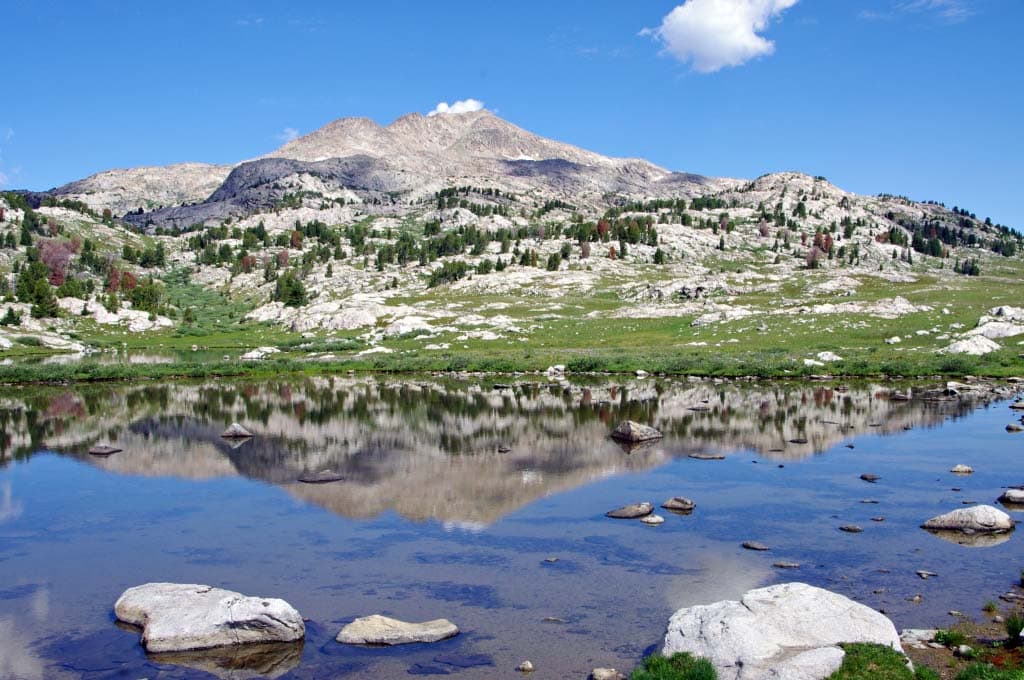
(714, 34)
(288, 134)
(461, 106)
(949, 10)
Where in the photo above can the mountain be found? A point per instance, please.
(404, 162)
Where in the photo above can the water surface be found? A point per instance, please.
(432, 521)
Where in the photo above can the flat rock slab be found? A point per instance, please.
(322, 477)
(868, 477)
(706, 456)
(631, 511)
(681, 504)
(632, 431)
(851, 529)
(236, 431)
(177, 617)
(980, 519)
(790, 630)
(382, 630)
(755, 545)
(103, 450)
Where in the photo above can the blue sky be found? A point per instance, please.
(917, 97)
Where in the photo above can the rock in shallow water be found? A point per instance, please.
(236, 431)
(382, 630)
(631, 511)
(679, 504)
(103, 450)
(179, 617)
(653, 520)
(632, 431)
(1012, 497)
(981, 519)
(791, 630)
(321, 477)
(755, 545)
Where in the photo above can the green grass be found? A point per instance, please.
(980, 671)
(878, 662)
(679, 666)
(951, 638)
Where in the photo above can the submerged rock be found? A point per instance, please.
(982, 519)
(632, 431)
(606, 674)
(868, 477)
(239, 662)
(791, 630)
(236, 431)
(631, 511)
(382, 630)
(178, 617)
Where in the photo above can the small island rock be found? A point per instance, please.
(632, 431)
(382, 630)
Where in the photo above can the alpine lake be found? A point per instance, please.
(481, 499)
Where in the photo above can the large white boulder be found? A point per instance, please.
(179, 617)
(977, 519)
(790, 631)
(975, 345)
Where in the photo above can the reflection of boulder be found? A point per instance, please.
(265, 660)
(972, 540)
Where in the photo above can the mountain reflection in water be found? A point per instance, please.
(430, 449)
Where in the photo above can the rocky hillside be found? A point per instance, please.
(463, 233)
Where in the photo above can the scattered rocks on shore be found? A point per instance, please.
(179, 617)
(790, 630)
(382, 630)
(631, 511)
(632, 431)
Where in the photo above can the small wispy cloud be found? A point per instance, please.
(715, 34)
(953, 11)
(249, 21)
(947, 11)
(286, 135)
(461, 106)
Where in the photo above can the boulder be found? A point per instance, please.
(236, 431)
(979, 519)
(381, 630)
(177, 617)
(975, 345)
(653, 520)
(631, 511)
(962, 469)
(632, 431)
(679, 504)
(790, 630)
(1012, 497)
